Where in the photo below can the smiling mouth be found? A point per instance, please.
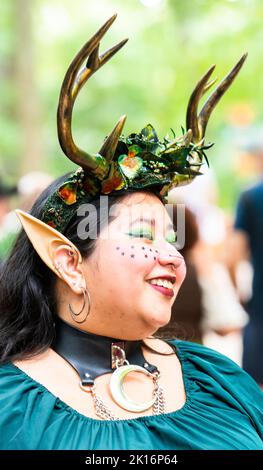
(163, 290)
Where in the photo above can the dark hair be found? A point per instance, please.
(27, 293)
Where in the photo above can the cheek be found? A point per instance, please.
(135, 258)
(181, 273)
(123, 268)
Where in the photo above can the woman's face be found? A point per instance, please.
(131, 253)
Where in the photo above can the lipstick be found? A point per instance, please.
(163, 290)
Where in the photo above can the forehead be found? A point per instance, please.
(140, 207)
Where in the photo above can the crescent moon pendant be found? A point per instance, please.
(117, 391)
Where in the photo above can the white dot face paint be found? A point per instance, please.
(135, 251)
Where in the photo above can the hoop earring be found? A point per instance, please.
(73, 314)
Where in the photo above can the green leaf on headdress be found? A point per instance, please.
(149, 133)
(134, 150)
(205, 157)
(176, 158)
(207, 146)
(147, 140)
(149, 156)
(173, 133)
(150, 180)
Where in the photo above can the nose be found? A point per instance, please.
(174, 259)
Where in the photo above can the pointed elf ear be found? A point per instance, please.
(45, 239)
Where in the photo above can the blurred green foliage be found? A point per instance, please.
(170, 46)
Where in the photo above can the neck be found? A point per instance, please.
(93, 355)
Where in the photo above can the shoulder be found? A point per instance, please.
(209, 358)
(251, 193)
(200, 362)
(14, 394)
(203, 363)
(23, 403)
(21, 381)
(15, 386)
(161, 346)
(220, 381)
(9, 376)
(193, 352)
(197, 349)
(209, 366)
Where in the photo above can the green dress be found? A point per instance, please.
(223, 410)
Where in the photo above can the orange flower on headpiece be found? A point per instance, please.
(68, 192)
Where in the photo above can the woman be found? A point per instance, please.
(78, 313)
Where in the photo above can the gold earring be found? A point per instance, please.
(75, 315)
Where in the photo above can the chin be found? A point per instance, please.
(159, 320)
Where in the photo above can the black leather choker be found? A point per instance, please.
(92, 355)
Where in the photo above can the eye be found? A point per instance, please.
(172, 238)
(141, 234)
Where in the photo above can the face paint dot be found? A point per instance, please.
(154, 257)
(122, 253)
(132, 246)
(151, 249)
(132, 256)
(143, 247)
(145, 256)
(156, 251)
(117, 247)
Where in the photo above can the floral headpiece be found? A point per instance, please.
(136, 162)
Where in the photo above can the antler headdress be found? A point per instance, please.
(137, 161)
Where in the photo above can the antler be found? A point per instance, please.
(74, 80)
(199, 122)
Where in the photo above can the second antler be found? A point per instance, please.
(198, 122)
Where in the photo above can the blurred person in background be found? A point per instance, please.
(207, 300)
(203, 202)
(246, 244)
(214, 226)
(28, 189)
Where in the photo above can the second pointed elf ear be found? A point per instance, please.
(45, 239)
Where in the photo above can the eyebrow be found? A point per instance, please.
(150, 222)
